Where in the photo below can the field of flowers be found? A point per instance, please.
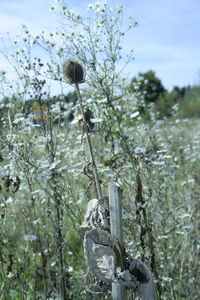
(44, 189)
(47, 188)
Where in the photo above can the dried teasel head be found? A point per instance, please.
(73, 71)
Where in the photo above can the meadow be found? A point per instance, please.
(164, 155)
(44, 190)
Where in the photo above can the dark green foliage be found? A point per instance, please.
(70, 98)
(148, 86)
(180, 91)
(190, 106)
(192, 93)
(190, 109)
(165, 104)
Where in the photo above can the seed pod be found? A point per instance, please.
(88, 116)
(73, 71)
(1, 158)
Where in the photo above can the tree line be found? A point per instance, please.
(145, 85)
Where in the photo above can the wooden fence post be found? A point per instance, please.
(115, 208)
(146, 290)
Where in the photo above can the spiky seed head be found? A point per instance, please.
(73, 71)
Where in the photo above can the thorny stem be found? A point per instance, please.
(38, 235)
(145, 227)
(58, 224)
(96, 176)
(59, 238)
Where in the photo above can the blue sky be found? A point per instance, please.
(166, 39)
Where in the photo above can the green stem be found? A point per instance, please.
(96, 176)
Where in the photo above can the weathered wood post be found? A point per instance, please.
(115, 207)
(145, 290)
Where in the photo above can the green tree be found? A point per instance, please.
(180, 90)
(165, 104)
(147, 85)
(190, 106)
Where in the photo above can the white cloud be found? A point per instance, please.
(10, 23)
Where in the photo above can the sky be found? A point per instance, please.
(165, 41)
